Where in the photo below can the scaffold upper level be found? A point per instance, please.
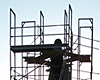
(37, 54)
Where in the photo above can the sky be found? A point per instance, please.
(53, 11)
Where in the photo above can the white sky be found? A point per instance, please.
(53, 12)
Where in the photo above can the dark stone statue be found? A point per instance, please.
(56, 63)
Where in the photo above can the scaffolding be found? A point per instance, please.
(30, 54)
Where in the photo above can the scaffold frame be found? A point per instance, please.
(28, 61)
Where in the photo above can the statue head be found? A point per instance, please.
(58, 41)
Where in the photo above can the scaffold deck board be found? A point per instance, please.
(48, 50)
(35, 48)
(41, 59)
(81, 58)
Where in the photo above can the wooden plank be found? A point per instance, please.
(35, 48)
(81, 58)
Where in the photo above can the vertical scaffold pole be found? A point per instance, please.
(79, 39)
(91, 20)
(12, 12)
(41, 71)
(22, 45)
(10, 44)
(78, 62)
